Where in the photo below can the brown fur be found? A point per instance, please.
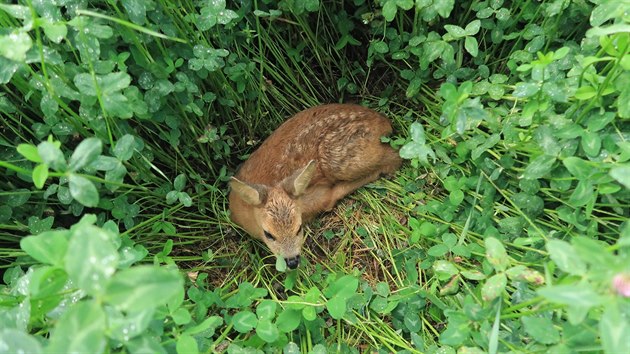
(310, 162)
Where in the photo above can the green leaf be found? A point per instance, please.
(493, 287)
(389, 10)
(455, 31)
(91, 258)
(80, 330)
(55, 31)
(591, 143)
(525, 89)
(620, 173)
(52, 155)
(578, 167)
(15, 45)
(143, 287)
(444, 270)
(496, 254)
(137, 11)
(380, 47)
(180, 182)
(579, 295)
(186, 345)
(345, 287)
(29, 152)
(336, 306)
(539, 167)
(582, 194)
(281, 264)
(585, 93)
(289, 320)
(16, 341)
(472, 46)
(473, 28)
(541, 329)
(83, 190)
(40, 175)
(614, 330)
(85, 153)
(124, 147)
(48, 247)
(208, 326)
(266, 310)
(244, 321)
(267, 331)
(565, 257)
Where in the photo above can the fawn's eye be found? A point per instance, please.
(269, 236)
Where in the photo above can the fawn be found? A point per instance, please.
(304, 167)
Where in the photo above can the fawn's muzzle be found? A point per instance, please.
(293, 263)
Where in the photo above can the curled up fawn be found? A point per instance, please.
(308, 164)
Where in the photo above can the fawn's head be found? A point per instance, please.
(278, 212)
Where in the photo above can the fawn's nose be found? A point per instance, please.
(293, 263)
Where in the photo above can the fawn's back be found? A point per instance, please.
(308, 164)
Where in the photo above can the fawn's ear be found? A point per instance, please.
(297, 183)
(252, 194)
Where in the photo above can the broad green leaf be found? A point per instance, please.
(444, 269)
(48, 247)
(186, 345)
(582, 194)
(472, 46)
(124, 147)
(591, 143)
(539, 167)
(136, 10)
(614, 330)
(40, 175)
(181, 316)
(55, 31)
(473, 28)
(143, 287)
(455, 31)
(579, 168)
(244, 321)
(85, 153)
(180, 182)
(585, 93)
(91, 258)
(542, 329)
(621, 174)
(266, 310)
(496, 254)
(80, 330)
(145, 344)
(345, 287)
(580, 295)
(207, 326)
(124, 327)
(29, 152)
(267, 331)
(525, 89)
(309, 313)
(493, 287)
(83, 190)
(336, 306)
(289, 320)
(15, 45)
(16, 341)
(389, 10)
(52, 155)
(563, 254)
(412, 321)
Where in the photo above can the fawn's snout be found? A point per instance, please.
(293, 262)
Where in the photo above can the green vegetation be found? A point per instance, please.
(506, 231)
